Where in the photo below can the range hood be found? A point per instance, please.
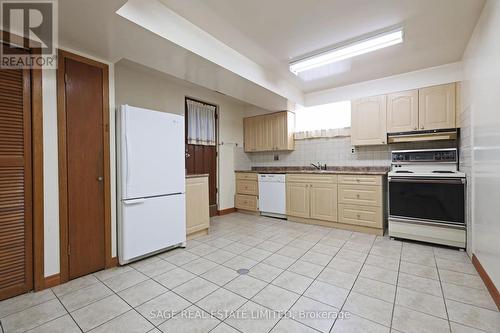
(418, 136)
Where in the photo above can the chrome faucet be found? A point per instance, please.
(319, 166)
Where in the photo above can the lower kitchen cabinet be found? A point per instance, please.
(246, 202)
(312, 197)
(324, 202)
(197, 206)
(247, 192)
(355, 203)
(297, 199)
(367, 216)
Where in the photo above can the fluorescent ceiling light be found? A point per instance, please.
(349, 51)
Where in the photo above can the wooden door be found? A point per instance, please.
(297, 200)
(324, 202)
(83, 92)
(402, 111)
(369, 126)
(437, 107)
(203, 160)
(16, 261)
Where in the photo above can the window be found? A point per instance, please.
(323, 117)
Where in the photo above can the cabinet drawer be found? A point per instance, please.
(366, 216)
(246, 202)
(246, 176)
(249, 187)
(311, 178)
(360, 179)
(361, 195)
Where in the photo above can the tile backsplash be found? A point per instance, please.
(332, 151)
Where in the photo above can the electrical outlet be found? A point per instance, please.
(353, 150)
(276, 157)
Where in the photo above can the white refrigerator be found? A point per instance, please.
(151, 182)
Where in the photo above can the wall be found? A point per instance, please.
(407, 81)
(140, 86)
(481, 96)
(337, 152)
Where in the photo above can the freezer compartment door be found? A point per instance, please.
(150, 225)
(152, 153)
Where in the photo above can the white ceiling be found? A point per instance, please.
(92, 27)
(271, 32)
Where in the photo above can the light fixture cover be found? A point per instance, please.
(371, 44)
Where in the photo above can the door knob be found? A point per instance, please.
(100, 179)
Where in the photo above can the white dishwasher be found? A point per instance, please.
(272, 195)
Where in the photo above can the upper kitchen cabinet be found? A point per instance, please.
(250, 134)
(437, 107)
(368, 121)
(270, 132)
(402, 111)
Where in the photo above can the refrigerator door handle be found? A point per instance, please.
(134, 202)
(127, 168)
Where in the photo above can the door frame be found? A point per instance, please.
(63, 165)
(37, 194)
(217, 167)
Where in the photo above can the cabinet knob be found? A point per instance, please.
(359, 216)
(357, 196)
(422, 127)
(415, 128)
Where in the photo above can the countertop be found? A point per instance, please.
(375, 170)
(197, 175)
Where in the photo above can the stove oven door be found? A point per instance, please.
(438, 201)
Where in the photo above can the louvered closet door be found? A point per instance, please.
(16, 266)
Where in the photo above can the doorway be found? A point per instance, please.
(202, 158)
(84, 184)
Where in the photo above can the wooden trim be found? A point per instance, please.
(63, 168)
(350, 227)
(487, 280)
(52, 281)
(226, 211)
(199, 233)
(38, 195)
(248, 212)
(113, 262)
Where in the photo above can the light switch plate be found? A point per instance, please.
(353, 150)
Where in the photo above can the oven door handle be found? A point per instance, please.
(428, 180)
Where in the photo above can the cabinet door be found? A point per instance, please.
(197, 207)
(267, 132)
(250, 134)
(437, 107)
(246, 202)
(259, 133)
(280, 131)
(324, 202)
(402, 111)
(297, 199)
(368, 121)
